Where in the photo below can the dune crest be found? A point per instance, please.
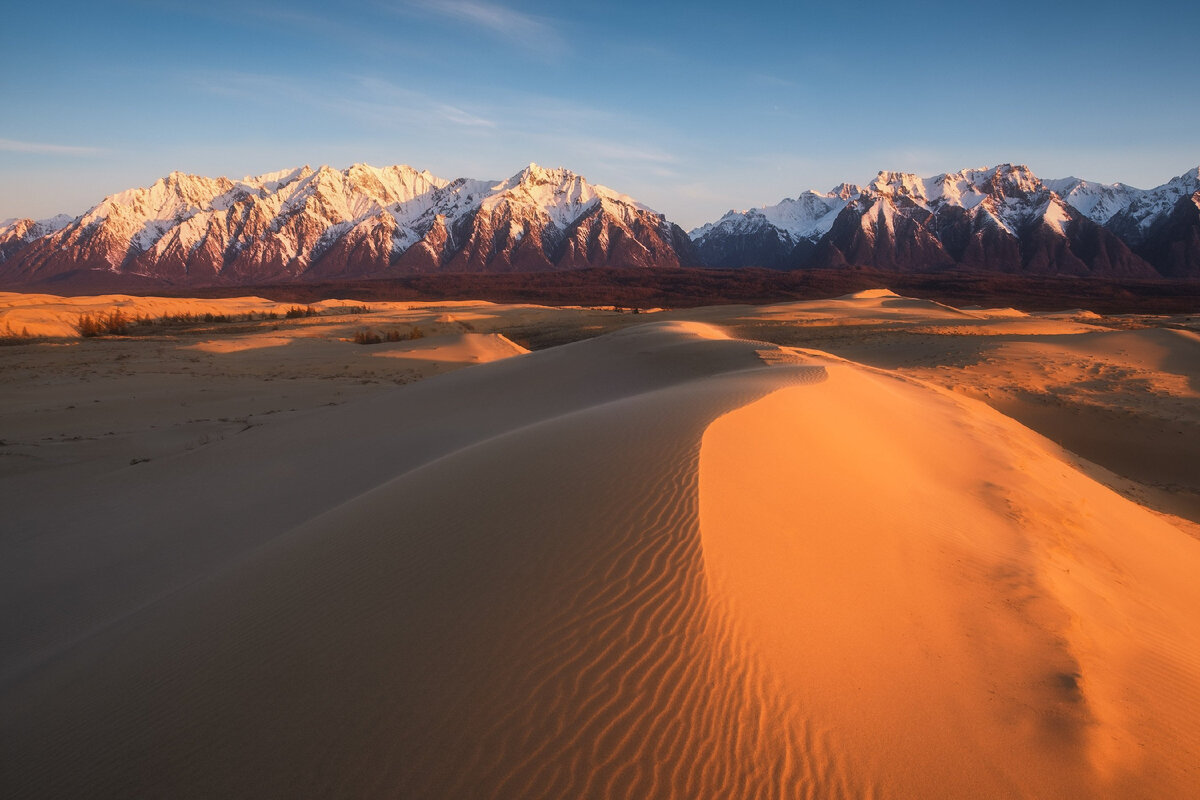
(870, 294)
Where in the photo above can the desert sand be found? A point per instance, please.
(866, 547)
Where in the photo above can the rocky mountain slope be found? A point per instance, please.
(1002, 219)
(358, 222)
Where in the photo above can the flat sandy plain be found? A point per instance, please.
(864, 547)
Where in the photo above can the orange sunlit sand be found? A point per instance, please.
(800, 550)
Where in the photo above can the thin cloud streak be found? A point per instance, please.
(457, 115)
(44, 148)
(532, 33)
(362, 98)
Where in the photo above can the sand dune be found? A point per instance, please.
(1127, 400)
(932, 587)
(658, 563)
(50, 315)
(662, 562)
(1118, 391)
(476, 348)
(43, 315)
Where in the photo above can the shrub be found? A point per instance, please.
(10, 336)
(367, 336)
(114, 323)
(88, 326)
(297, 311)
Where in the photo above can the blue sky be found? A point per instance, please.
(693, 108)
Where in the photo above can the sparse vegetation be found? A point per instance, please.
(10, 336)
(118, 323)
(367, 336)
(370, 336)
(114, 323)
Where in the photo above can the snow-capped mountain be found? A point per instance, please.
(769, 236)
(16, 233)
(363, 221)
(1002, 218)
(357, 222)
(1133, 209)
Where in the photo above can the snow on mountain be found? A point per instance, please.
(17, 232)
(1097, 201)
(1102, 202)
(31, 228)
(562, 195)
(552, 218)
(808, 216)
(1152, 206)
(301, 222)
(984, 217)
(1054, 214)
(1011, 195)
(304, 223)
(812, 214)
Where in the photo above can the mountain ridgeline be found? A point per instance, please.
(361, 222)
(366, 222)
(1001, 219)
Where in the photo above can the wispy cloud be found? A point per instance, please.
(460, 117)
(535, 34)
(45, 148)
(365, 99)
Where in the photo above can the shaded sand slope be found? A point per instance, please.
(516, 617)
(78, 556)
(1127, 400)
(659, 563)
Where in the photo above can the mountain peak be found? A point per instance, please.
(845, 191)
(535, 174)
(906, 184)
(271, 181)
(1188, 181)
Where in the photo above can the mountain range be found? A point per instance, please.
(1000, 219)
(363, 222)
